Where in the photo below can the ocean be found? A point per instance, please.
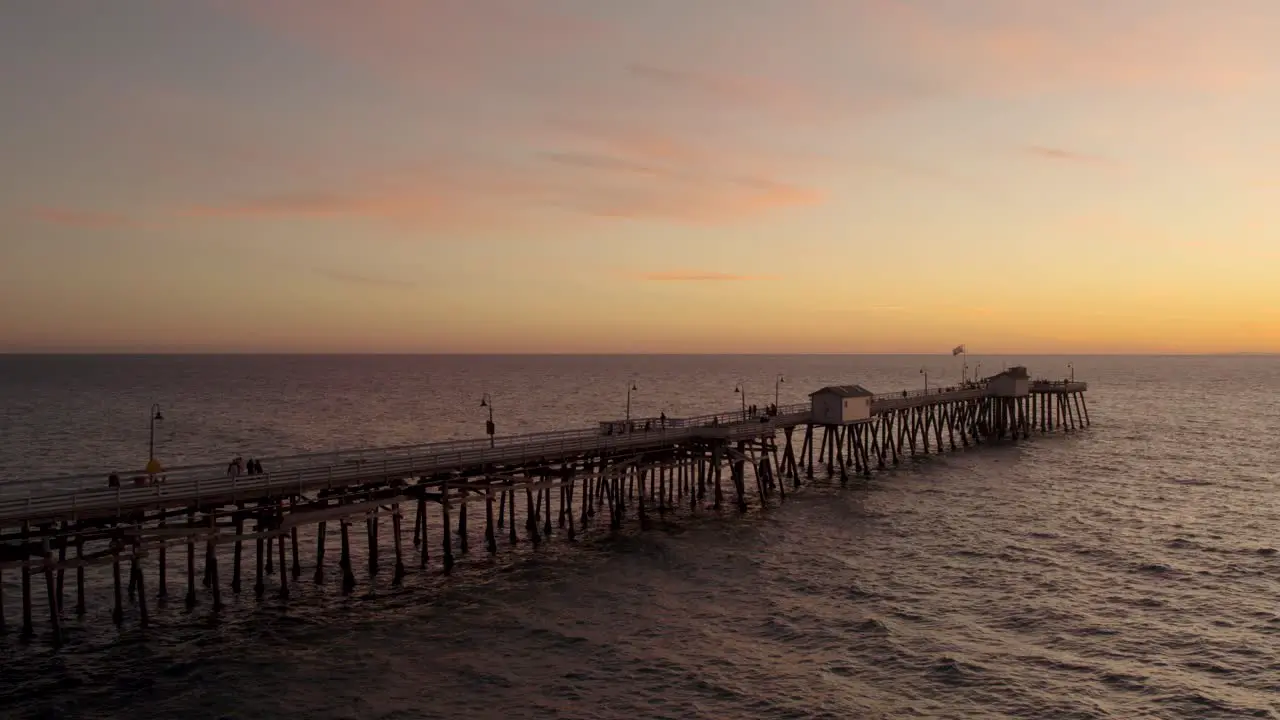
(1127, 571)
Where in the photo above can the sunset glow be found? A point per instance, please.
(603, 176)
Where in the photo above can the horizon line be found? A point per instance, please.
(278, 353)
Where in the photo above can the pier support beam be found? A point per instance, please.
(398, 577)
(318, 578)
(348, 573)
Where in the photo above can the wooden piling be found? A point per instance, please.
(80, 604)
(531, 519)
(191, 559)
(117, 611)
(490, 540)
(348, 573)
(259, 585)
(398, 577)
(162, 579)
(63, 539)
(502, 508)
(144, 617)
(511, 513)
(318, 578)
(284, 576)
(236, 554)
(463, 546)
(418, 519)
(50, 584)
(28, 625)
(448, 529)
(546, 518)
(211, 565)
(644, 517)
(371, 527)
(293, 548)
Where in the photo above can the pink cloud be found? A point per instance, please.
(1058, 154)
(1006, 46)
(443, 42)
(698, 276)
(79, 218)
(761, 94)
(639, 176)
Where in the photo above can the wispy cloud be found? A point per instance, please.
(437, 42)
(649, 176)
(699, 276)
(1011, 46)
(753, 92)
(83, 219)
(1052, 153)
(367, 280)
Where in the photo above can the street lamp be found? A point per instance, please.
(486, 401)
(1072, 368)
(152, 465)
(776, 386)
(741, 390)
(926, 380)
(631, 387)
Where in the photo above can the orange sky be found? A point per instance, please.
(597, 176)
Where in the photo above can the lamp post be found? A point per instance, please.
(741, 390)
(926, 380)
(153, 466)
(776, 387)
(1072, 368)
(486, 401)
(631, 387)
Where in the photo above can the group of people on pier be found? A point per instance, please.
(238, 467)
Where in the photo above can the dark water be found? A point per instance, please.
(1128, 571)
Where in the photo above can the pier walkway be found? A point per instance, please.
(618, 468)
(86, 496)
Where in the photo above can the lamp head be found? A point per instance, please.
(159, 415)
(484, 402)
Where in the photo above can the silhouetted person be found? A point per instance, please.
(663, 419)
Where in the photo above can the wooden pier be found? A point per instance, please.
(470, 495)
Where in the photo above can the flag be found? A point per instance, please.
(957, 350)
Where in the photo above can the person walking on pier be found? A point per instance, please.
(235, 468)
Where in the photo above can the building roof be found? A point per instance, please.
(1017, 371)
(844, 391)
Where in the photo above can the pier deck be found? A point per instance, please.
(663, 464)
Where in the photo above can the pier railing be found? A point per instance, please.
(290, 463)
(100, 500)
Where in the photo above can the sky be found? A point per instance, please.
(581, 176)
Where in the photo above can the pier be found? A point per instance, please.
(190, 533)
